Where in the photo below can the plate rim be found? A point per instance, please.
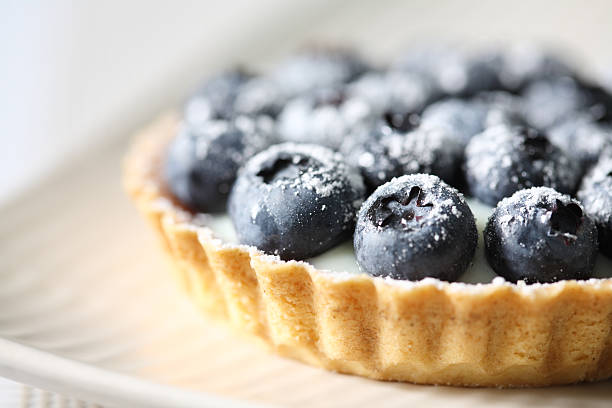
(48, 371)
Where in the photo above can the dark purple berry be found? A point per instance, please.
(325, 116)
(317, 68)
(522, 64)
(215, 99)
(295, 200)
(504, 159)
(202, 161)
(582, 139)
(415, 227)
(540, 235)
(549, 101)
(596, 196)
(454, 72)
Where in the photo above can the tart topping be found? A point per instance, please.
(215, 99)
(495, 122)
(461, 117)
(540, 235)
(324, 117)
(369, 150)
(295, 200)
(382, 152)
(548, 101)
(317, 68)
(596, 196)
(414, 227)
(400, 210)
(394, 92)
(203, 160)
(582, 139)
(565, 221)
(453, 71)
(524, 63)
(505, 159)
(402, 122)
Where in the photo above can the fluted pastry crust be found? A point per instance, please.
(428, 332)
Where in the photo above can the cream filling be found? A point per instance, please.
(342, 258)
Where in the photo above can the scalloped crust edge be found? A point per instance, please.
(427, 332)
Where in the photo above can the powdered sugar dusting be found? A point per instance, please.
(500, 161)
(332, 175)
(340, 262)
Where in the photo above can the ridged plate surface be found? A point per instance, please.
(88, 307)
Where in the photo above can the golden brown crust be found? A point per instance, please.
(428, 332)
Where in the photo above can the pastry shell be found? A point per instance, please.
(428, 332)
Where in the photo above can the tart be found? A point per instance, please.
(428, 331)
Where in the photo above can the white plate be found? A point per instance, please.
(89, 308)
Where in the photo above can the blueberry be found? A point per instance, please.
(460, 117)
(522, 64)
(324, 116)
(394, 91)
(302, 75)
(318, 68)
(481, 73)
(369, 148)
(599, 102)
(581, 139)
(203, 160)
(414, 227)
(386, 150)
(260, 96)
(540, 235)
(503, 108)
(466, 118)
(505, 159)
(432, 151)
(596, 196)
(215, 99)
(295, 200)
(454, 72)
(548, 101)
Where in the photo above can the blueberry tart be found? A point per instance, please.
(354, 254)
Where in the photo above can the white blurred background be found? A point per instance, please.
(73, 73)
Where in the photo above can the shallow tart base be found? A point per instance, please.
(429, 332)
